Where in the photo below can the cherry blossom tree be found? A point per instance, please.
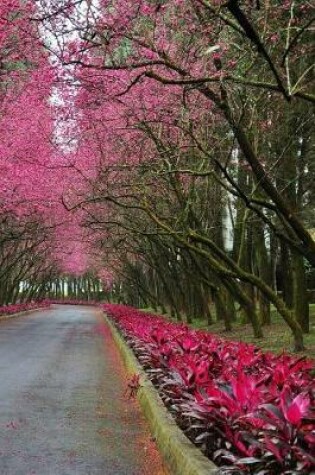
(154, 76)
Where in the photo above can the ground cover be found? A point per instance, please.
(277, 336)
(22, 307)
(250, 411)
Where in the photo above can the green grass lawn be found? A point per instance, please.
(277, 336)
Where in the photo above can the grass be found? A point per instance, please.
(277, 336)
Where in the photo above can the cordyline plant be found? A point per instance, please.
(248, 410)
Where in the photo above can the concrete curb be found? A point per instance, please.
(180, 455)
(20, 314)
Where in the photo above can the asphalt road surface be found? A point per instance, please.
(62, 405)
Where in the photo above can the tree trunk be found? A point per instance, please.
(301, 306)
(221, 310)
(286, 275)
(264, 271)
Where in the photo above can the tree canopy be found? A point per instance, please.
(164, 148)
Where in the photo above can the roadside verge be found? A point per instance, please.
(180, 455)
(20, 314)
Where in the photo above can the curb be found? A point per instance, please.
(181, 456)
(20, 314)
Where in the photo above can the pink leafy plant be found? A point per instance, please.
(250, 411)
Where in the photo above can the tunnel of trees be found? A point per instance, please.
(160, 153)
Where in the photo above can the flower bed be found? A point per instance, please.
(22, 307)
(248, 410)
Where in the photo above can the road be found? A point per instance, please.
(62, 405)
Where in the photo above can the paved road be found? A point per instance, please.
(62, 404)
